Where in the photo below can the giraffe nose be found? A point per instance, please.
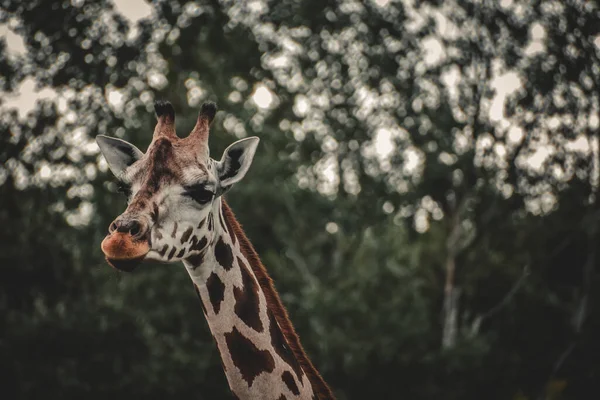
(127, 242)
(132, 226)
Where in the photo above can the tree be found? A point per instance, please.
(396, 202)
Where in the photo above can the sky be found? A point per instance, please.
(134, 10)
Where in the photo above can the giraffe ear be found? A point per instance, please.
(236, 161)
(119, 154)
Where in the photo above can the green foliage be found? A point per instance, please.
(360, 242)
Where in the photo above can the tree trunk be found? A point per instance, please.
(451, 297)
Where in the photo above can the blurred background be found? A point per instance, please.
(425, 193)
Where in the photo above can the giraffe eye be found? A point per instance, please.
(198, 193)
(124, 188)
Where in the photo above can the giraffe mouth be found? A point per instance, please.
(125, 265)
(124, 252)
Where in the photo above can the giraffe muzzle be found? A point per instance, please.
(126, 244)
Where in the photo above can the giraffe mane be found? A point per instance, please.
(274, 303)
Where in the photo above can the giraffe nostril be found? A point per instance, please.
(130, 226)
(135, 228)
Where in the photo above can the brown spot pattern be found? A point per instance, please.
(171, 253)
(186, 235)
(163, 250)
(181, 253)
(198, 245)
(289, 381)
(282, 348)
(216, 291)
(247, 357)
(277, 311)
(174, 233)
(196, 260)
(247, 304)
(223, 254)
(160, 170)
(201, 224)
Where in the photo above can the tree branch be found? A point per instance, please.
(503, 303)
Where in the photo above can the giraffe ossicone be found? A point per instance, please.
(175, 212)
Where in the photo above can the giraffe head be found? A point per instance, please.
(170, 190)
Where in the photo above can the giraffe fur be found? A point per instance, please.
(176, 213)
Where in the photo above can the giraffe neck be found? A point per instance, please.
(261, 354)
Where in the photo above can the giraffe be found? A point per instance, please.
(176, 213)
